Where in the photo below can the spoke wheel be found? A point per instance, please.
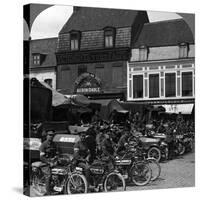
(114, 182)
(141, 173)
(76, 184)
(155, 153)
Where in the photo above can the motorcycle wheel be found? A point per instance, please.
(38, 184)
(114, 182)
(181, 149)
(155, 153)
(76, 184)
(140, 173)
(155, 168)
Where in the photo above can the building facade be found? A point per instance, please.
(42, 60)
(162, 66)
(93, 49)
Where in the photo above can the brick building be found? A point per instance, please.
(162, 66)
(93, 49)
(42, 60)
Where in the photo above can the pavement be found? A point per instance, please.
(176, 173)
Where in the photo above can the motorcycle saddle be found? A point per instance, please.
(38, 164)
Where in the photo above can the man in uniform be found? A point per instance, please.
(47, 153)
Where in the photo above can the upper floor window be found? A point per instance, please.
(137, 86)
(183, 50)
(75, 40)
(143, 53)
(170, 84)
(36, 59)
(109, 37)
(187, 85)
(153, 85)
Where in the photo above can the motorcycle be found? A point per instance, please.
(133, 169)
(102, 178)
(63, 178)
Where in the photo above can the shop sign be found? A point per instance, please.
(87, 83)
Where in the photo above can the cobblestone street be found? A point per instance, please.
(176, 173)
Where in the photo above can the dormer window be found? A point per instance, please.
(109, 37)
(183, 50)
(36, 59)
(143, 53)
(75, 37)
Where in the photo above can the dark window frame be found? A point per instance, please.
(142, 92)
(150, 96)
(36, 59)
(192, 91)
(175, 86)
(109, 32)
(75, 36)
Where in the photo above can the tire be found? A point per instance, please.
(76, 184)
(38, 183)
(155, 168)
(114, 182)
(140, 173)
(154, 152)
(181, 149)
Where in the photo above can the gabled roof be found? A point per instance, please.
(87, 19)
(46, 47)
(164, 33)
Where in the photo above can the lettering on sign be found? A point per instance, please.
(85, 90)
(67, 139)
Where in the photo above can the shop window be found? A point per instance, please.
(49, 81)
(75, 40)
(153, 85)
(82, 69)
(109, 37)
(36, 59)
(187, 84)
(143, 53)
(138, 86)
(183, 50)
(170, 85)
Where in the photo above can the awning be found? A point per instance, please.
(179, 108)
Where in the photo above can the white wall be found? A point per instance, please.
(41, 76)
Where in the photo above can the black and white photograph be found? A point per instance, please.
(109, 100)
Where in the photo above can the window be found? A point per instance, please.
(74, 40)
(117, 76)
(49, 82)
(109, 37)
(36, 59)
(183, 50)
(82, 69)
(153, 85)
(187, 84)
(143, 52)
(138, 86)
(170, 85)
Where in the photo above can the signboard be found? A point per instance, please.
(101, 55)
(87, 83)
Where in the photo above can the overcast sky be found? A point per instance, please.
(50, 21)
